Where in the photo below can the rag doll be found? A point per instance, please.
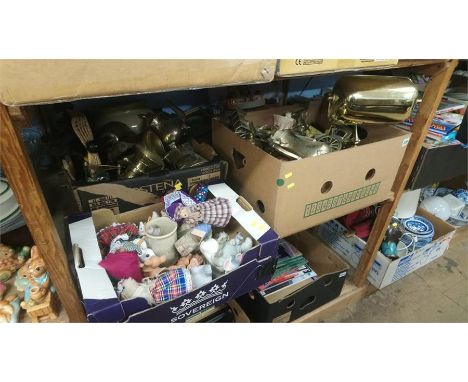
(216, 212)
(166, 286)
(189, 261)
(151, 267)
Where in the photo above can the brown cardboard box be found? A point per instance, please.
(292, 302)
(25, 82)
(291, 67)
(295, 195)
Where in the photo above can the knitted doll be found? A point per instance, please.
(216, 212)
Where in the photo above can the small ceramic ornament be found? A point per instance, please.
(10, 262)
(9, 309)
(190, 242)
(39, 281)
(209, 248)
(146, 252)
(229, 252)
(22, 277)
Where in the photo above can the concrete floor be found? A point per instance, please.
(437, 292)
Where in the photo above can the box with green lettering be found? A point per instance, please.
(298, 194)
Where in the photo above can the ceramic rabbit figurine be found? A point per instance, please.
(233, 251)
(22, 277)
(39, 281)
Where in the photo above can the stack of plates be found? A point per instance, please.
(10, 213)
(462, 219)
(420, 229)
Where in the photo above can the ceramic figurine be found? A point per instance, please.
(146, 252)
(240, 246)
(190, 241)
(228, 255)
(209, 248)
(216, 212)
(9, 309)
(10, 262)
(46, 305)
(22, 277)
(39, 281)
(122, 243)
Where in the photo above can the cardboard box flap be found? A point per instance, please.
(120, 191)
(248, 219)
(44, 81)
(95, 284)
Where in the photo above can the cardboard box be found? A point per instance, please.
(295, 195)
(385, 271)
(26, 82)
(100, 300)
(291, 67)
(129, 194)
(438, 163)
(331, 271)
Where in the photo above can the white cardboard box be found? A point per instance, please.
(385, 271)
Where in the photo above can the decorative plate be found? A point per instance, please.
(461, 194)
(418, 225)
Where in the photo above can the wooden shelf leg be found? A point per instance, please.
(432, 96)
(22, 178)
